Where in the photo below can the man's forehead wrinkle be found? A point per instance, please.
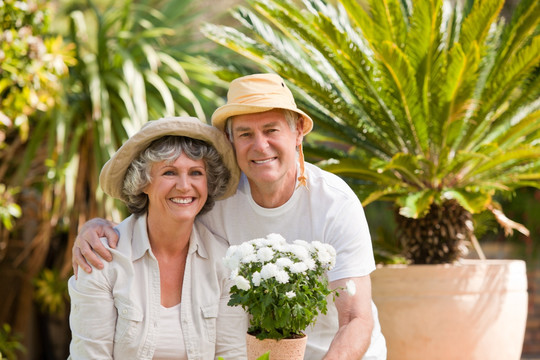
(247, 127)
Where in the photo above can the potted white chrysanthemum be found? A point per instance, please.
(282, 286)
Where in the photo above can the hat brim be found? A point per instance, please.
(114, 171)
(220, 116)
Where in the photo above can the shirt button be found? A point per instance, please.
(124, 311)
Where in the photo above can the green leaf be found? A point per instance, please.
(402, 85)
(477, 23)
(409, 168)
(356, 168)
(390, 25)
(416, 205)
(473, 201)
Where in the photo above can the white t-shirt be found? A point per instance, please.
(170, 342)
(328, 211)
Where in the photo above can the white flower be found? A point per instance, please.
(311, 264)
(299, 251)
(284, 262)
(351, 287)
(269, 270)
(282, 277)
(276, 239)
(256, 278)
(302, 243)
(249, 258)
(265, 254)
(231, 259)
(234, 274)
(332, 253)
(231, 251)
(280, 247)
(326, 254)
(245, 249)
(242, 283)
(324, 257)
(299, 267)
(290, 294)
(257, 243)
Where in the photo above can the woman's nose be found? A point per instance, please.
(182, 182)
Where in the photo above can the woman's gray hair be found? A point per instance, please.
(169, 148)
(291, 117)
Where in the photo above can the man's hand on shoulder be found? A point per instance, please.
(87, 244)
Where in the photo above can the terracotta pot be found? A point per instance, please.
(474, 310)
(285, 349)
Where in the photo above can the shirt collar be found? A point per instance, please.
(140, 241)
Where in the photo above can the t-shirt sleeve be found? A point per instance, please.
(349, 235)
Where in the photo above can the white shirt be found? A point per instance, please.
(328, 211)
(115, 312)
(170, 344)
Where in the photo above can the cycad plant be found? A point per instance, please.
(431, 104)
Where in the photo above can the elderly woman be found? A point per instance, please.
(165, 295)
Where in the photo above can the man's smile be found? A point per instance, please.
(264, 161)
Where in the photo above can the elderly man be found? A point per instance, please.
(280, 193)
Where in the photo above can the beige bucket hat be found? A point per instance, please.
(258, 93)
(114, 171)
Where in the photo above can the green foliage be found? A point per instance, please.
(31, 63)
(9, 343)
(51, 292)
(282, 286)
(8, 208)
(426, 100)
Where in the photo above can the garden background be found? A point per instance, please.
(76, 79)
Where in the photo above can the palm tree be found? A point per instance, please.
(430, 104)
(136, 60)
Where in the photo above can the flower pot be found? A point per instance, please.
(473, 310)
(285, 349)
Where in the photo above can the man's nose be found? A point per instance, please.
(260, 141)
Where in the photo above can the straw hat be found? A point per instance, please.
(258, 93)
(114, 171)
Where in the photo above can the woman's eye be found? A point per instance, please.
(168, 173)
